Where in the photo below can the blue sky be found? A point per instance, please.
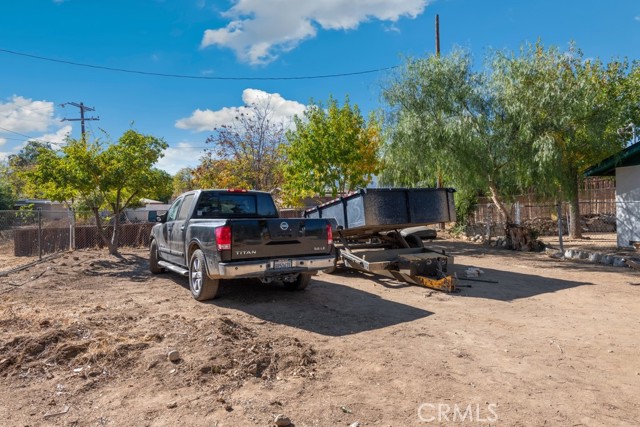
(253, 39)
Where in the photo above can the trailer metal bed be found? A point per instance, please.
(368, 226)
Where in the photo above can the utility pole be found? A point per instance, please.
(82, 118)
(438, 35)
(439, 177)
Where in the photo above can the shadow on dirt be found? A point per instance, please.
(510, 286)
(132, 267)
(324, 308)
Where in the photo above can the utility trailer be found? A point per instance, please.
(368, 225)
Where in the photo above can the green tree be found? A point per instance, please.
(332, 150)
(569, 109)
(532, 121)
(7, 196)
(221, 173)
(250, 143)
(95, 176)
(163, 190)
(447, 120)
(21, 163)
(183, 181)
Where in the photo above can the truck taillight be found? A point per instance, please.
(223, 238)
(329, 235)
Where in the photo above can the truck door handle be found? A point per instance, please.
(182, 228)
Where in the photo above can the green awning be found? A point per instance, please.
(630, 156)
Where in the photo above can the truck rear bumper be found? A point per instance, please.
(265, 268)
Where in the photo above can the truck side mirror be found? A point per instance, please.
(162, 218)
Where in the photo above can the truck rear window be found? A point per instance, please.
(235, 205)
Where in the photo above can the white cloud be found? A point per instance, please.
(184, 155)
(58, 137)
(207, 120)
(20, 114)
(261, 30)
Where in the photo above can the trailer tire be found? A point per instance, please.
(201, 285)
(301, 282)
(414, 241)
(394, 239)
(153, 258)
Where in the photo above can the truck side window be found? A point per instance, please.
(173, 210)
(185, 209)
(208, 206)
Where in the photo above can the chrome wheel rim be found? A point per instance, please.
(196, 275)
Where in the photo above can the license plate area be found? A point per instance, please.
(280, 264)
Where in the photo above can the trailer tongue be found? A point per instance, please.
(368, 233)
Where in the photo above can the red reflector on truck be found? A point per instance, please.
(223, 238)
(329, 235)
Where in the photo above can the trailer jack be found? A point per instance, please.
(446, 284)
(438, 280)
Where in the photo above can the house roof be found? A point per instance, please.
(630, 156)
(150, 201)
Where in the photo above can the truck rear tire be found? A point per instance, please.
(334, 267)
(202, 286)
(153, 258)
(301, 282)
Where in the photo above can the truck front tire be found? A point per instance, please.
(202, 286)
(153, 258)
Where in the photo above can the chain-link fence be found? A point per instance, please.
(28, 235)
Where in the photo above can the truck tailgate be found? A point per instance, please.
(278, 238)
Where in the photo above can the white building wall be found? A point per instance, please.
(628, 205)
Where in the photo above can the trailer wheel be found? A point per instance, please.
(414, 241)
(202, 286)
(153, 258)
(394, 238)
(301, 282)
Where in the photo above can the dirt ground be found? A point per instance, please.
(84, 339)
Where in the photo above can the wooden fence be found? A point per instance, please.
(597, 197)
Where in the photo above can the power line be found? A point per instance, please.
(186, 76)
(12, 131)
(29, 138)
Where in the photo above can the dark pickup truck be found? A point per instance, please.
(209, 235)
